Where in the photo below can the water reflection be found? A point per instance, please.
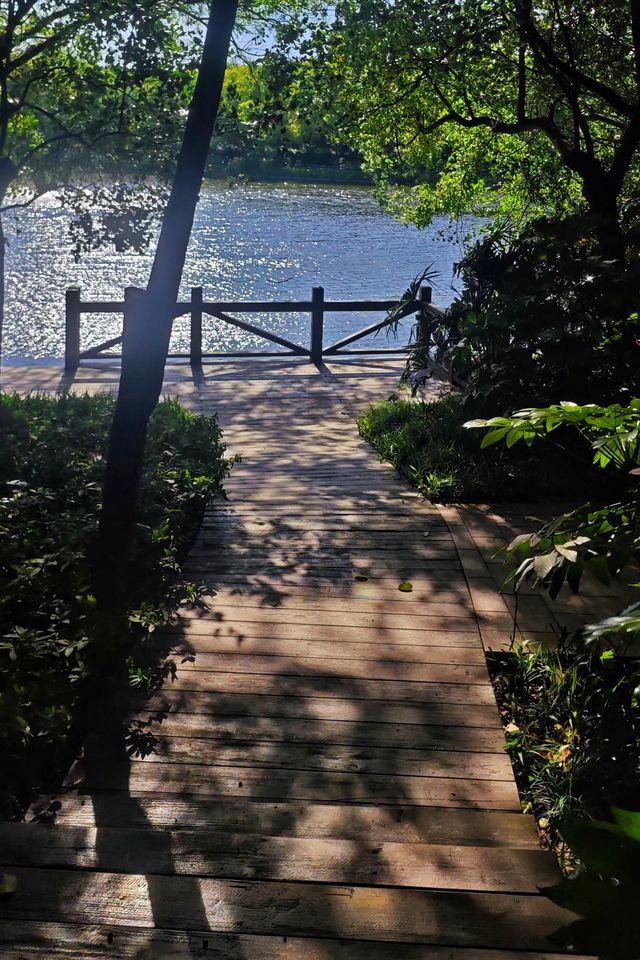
(255, 241)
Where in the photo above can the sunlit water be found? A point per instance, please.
(250, 242)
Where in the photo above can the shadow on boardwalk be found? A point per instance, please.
(326, 778)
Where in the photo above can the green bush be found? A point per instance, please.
(572, 723)
(596, 539)
(606, 892)
(426, 444)
(541, 317)
(51, 474)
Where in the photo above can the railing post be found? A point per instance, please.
(317, 324)
(195, 349)
(423, 319)
(72, 329)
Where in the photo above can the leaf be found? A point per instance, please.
(544, 564)
(405, 587)
(8, 884)
(570, 555)
(628, 821)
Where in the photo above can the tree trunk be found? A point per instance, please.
(147, 334)
(2, 286)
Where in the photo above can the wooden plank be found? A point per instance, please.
(293, 909)
(381, 712)
(345, 533)
(433, 617)
(258, 857)
(471, 739)
(303, 550)
(308, 577)
(367, 596)
(392, 824)
(315, 786)
(58, 941)
(325, 667)
(331, 686)
(453, 759)
(249, 640)
(429, 620)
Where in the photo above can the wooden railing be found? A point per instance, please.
(197, 308)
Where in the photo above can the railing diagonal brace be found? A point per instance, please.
(250, 328)
(366, 331)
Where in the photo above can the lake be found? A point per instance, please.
(250, 242)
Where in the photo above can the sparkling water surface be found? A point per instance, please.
(250, 242)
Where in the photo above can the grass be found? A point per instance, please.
(426, 443)
(51, 475)
(572, 721)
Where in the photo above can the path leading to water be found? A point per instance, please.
(327, 776)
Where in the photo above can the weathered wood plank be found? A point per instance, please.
(283, 578)
(203, 632)
(259, 857)
(332, 686)
(366, 597)
(57, 941)
(453, 759)
(325, 667)
(180, 723)
(249, 641)
(393, 824)
(177, 702)
(409, 621)
(291, 784)
(400, 628)
(293, 909)
(319, 564)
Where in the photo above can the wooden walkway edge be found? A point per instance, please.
(326, 779)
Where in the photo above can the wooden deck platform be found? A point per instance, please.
(325, 778)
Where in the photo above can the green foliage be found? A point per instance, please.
(601, 540)
(606, 891)
(521, 107)
(266, 127)
(541, 316)
(90, 84)
(425, 442)
(572, 722)
(613, 432)
(51, 476)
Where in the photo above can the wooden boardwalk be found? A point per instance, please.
(325, 778)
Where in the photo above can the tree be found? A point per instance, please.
(522, 104)
(81, 85)
(147, 335)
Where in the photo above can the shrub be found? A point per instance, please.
(51, 475)
(572, 723)
(541, 317)
(426, 444)
(601, 540)
(606, 892)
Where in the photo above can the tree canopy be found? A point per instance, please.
(541, 101)
(81, 75)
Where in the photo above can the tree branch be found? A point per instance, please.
(558, 65)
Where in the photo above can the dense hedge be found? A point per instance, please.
(426, 443)
(51, 472)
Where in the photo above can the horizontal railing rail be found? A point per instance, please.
(197, 308)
